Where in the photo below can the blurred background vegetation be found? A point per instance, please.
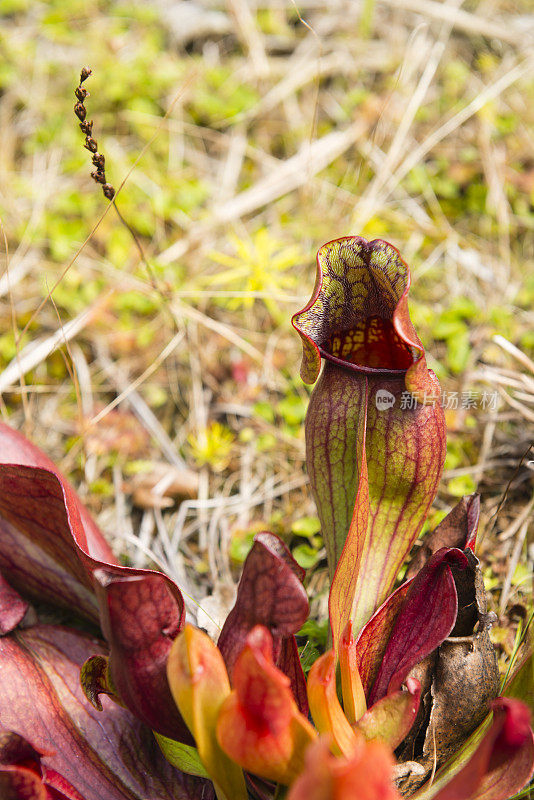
(243, 135)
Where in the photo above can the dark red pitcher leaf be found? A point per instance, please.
(502, 764)
(271, 594)
(140, 617)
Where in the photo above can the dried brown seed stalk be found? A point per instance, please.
(98, 175)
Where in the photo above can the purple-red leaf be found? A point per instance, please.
(288, 662)
(374, 637)
(43, 545)
(140, 617)
(271, 594)
(28, 779)
(102, 755)
(503, 762)
(425, 619)
(49, 543)
(21, 783)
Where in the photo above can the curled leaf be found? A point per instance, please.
(466, 681)
(425, 619)
(49, 543)
(95, 679)
(462, 681)
(51, 551)
(259, 725)
(358, 315)
(141, 615)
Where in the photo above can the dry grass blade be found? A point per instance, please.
(311, 159)
(138, 405)
(490, 92)
(474, 24)
(521, 518)
(246, 26)
(513, 561)
(38, 351)
(515, 352)
(18, 269)
(430, 63)
(183, 310)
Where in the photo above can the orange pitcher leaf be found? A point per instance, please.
(366, 775)
(259, 725)
(325, 707)
(199, 685)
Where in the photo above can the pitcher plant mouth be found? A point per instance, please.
(357, 316)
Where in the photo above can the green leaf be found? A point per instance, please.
(521, 684)
(522, 573)
(306, 526)
(292, 409)
(182, 756)
(316, 633)
(461, 485)
(241, 545)
(305, 556)
(264, 410)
